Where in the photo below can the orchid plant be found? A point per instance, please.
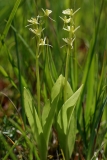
(69, 26)
(42, 123)
(37, 30)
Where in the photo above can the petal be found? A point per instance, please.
(48, 12)
(68, 12)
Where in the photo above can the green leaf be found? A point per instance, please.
(32, 114)
(63, 120)
(72, 133)
(91, 96)
(57, 87)
(66, 124)
(48, 77)
(52, 67)
(3, 71)
(45, 112)
(55, 97)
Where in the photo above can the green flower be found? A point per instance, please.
(71, 29)
(67, 29)
(42, 42)
(69, 41)
(47, 12)
(32, 21)
(65, 19)
(70, 12)
(37, 31)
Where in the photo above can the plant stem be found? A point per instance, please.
(38, 79)
(66, 73)
(75, 69)
(72, 72)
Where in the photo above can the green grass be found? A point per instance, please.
(55, 98)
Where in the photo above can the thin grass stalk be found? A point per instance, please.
(24, 42)
(30, 145)
(100, 148)
(94, 130)
(84, 126)
(8, 24)
(75, 68)
(102, 75)
(89, 59)
(19, 115)
(9, 149)
(20, 82)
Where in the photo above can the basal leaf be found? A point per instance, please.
(72, 133)
(63, 120)
(35, 124)
(48, 77)
(45, 112)
(57, 87)
(66, 124)
(32, 114)
(54, 96)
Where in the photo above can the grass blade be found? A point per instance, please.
(89, 60)
(95, 128)
(9, 149)
(11, 17)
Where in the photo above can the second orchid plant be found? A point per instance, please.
(69, 26)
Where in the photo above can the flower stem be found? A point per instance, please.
(66, 73)
(38, 80)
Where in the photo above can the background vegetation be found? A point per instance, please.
(18, 69)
